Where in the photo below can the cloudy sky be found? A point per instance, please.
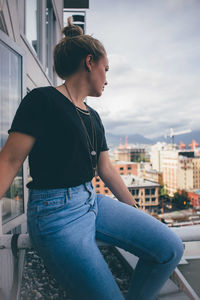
(153, 48)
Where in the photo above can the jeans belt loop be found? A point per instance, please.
(69, 193)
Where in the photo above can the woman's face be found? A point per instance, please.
(98, 76)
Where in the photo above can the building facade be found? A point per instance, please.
(145, 193)
(123, 167)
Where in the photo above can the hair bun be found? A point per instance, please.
(72, 30)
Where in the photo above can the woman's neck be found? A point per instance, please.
(75, 89)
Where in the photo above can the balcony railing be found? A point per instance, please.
(12, 249)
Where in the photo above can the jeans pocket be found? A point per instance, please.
(51, 205)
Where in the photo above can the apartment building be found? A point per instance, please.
(153, 175)
(170, 171)
(130, 153)
(194, 196)
(123, 167)
(145, 193)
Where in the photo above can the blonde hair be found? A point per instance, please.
(73, 48)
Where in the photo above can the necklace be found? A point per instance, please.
(91, 145)
(82, 111)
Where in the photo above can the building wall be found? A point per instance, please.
(34, 71)
(185, 173)
(154, 176)
(123, 169)
(194, 198)
(146, 197)
(170, 171)
(196, 172)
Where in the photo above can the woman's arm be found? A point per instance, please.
(113, 180)
(12, 156)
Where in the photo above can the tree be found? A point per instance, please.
(181, 200)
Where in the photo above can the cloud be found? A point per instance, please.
(154, 54)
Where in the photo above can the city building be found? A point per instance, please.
(181, 170)
(170, 171)
(194, 196)
(127, 168)
(145, 193)
(156, 155)
(123, 167)
(131, 153)
(153, 175)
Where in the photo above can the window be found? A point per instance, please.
(137, 199)
(133, 192)
(147, 191)
(106, 191)
(97, 185)
(121, 168)
(153, 199)
(137, 192)
(129, 168)
(147, 199)
(32, 24)
(50, 38)
(153, 191)
(97, 179)
(11, 94)
(97, 192)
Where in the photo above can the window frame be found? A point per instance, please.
(4, 228)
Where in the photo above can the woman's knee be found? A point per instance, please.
(173, 249)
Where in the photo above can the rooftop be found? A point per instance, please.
(134, 181)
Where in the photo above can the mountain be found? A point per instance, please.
(185, 138)
(114, 140)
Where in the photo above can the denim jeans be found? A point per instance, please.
(64, 225)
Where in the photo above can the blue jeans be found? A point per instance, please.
(64, 225)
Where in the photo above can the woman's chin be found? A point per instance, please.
(96, 94)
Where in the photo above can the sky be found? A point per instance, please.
(153, 48)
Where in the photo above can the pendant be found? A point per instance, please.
(93, 153)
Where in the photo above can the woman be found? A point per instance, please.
(65, 141)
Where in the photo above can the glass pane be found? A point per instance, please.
(31, 24)
(10, 96)
(50, 37)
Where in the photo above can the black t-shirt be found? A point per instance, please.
(60, 157)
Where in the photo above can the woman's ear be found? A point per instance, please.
(89, 62)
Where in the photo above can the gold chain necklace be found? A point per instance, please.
(90, 144)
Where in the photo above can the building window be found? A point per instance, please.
(129, 168)
(11, 94)
(137, 192)
(97, 179)
(153, 191)
(32, 24)
(147, 199)
(147, 191)
(153, 199)
(121, 168)
(133, 192)
(106, 191)
(97, 185)
(137, 199)
(97, 192)
(50, 38)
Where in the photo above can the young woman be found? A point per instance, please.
(65, 141)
